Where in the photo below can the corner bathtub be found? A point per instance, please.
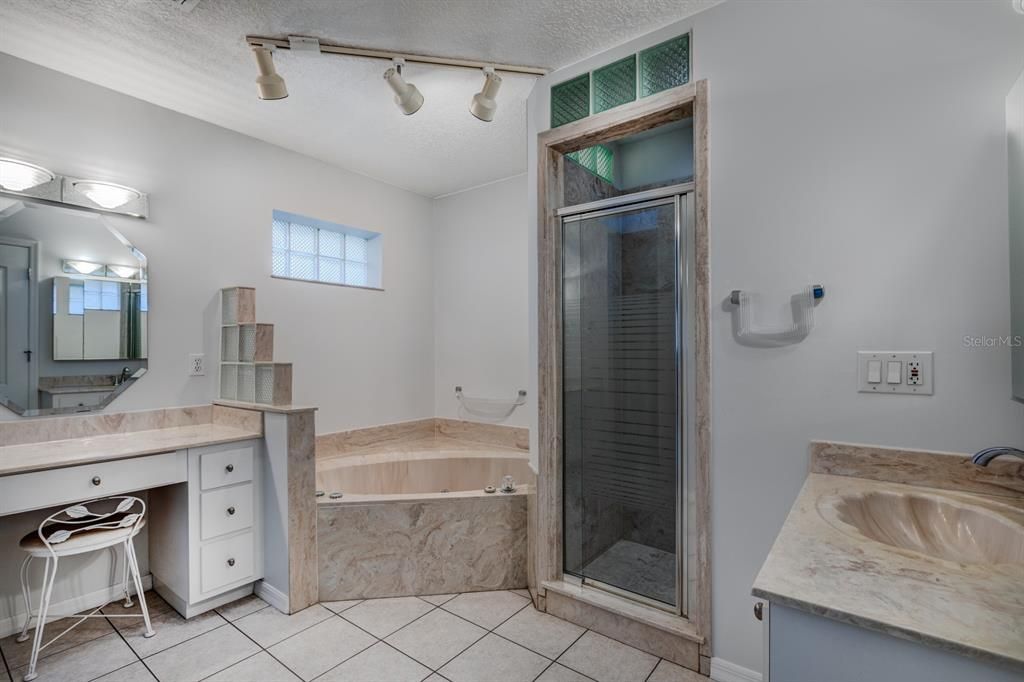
(419, 522)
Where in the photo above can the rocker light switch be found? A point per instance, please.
(894, 372)
(874, 371)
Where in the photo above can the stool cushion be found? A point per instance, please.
(81, 540)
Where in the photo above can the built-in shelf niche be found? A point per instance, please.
(248, 372)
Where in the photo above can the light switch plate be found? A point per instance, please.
(911, 383)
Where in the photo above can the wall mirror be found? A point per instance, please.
(74, 309)
(1015, 157)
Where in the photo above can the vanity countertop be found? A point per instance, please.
(971, 609)
(85, 388)
(54, 454)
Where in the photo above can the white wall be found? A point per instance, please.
(364, 357)
(480, 306)
(860, 145)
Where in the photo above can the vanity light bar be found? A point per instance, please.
(81, 267)
(24, 179)
(304, 44)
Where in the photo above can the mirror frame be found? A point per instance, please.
(19, 204)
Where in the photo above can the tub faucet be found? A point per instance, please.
(985, 456)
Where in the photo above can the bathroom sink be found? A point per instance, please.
(938, 526)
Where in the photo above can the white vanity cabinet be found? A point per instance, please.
(206, 540)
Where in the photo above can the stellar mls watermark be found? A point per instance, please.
(1010, 341)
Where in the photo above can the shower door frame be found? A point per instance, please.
(680, 197)
(685, 101)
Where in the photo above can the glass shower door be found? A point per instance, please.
(621, 399)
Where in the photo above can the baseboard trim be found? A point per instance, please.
(83, 602)
(271, 595)
(725, 671)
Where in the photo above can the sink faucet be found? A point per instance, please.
(985, 456)
(126, 374)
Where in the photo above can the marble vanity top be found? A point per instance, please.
(828, 568)
(207, 428)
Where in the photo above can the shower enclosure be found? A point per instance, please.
(626, 293)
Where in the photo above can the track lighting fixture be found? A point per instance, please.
(407, 96)
(483, 105)
(269, 84)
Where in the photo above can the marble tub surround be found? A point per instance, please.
(50, 443)
(822, 563)
(396, 548)
(946, 470)
(422, 434)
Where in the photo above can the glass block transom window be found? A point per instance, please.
(312, 252)
(650, 71)
(599, 160)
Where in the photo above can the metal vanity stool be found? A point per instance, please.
(94, 526)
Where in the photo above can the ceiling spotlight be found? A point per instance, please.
(18, 176)
(407, 96)
(483, 105)
(269, 84)
(106, 194)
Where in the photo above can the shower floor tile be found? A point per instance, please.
(636, 568)
(508, 641)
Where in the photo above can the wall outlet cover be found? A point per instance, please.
(916, 372)
(197, 365)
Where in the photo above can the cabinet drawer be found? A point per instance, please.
(40, 489)
(224, 562)
(225, 510)
(233, 464)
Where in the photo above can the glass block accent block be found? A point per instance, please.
(615, 84)
(330, 270)
(356, 248)
(229, 382)
(229, 306)
(570, 101)
(330, 243)
(229, 344)
(246, 383)
(247, 343)
(265, 384)
(301, 266)
(665, 65)
(302, 238)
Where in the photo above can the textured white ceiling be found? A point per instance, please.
(339, 109)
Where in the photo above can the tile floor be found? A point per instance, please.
(471, 637)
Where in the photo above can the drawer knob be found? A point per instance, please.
(96, 480)
(229, 468)
(231, 562)
(231, 511)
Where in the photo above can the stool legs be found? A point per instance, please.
(129, 548)
(27, 594)
(125, 569)
(49, 577)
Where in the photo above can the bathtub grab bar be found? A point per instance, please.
(490, 408)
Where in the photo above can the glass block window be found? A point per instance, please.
(570, 101)
(318, 252)
(665, 65)
(100, 295)
(599, 160)
(615, 84)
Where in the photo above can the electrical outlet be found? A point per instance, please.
(197, 365)
(914, 377)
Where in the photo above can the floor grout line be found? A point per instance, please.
(262, 649)
(134, 652)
